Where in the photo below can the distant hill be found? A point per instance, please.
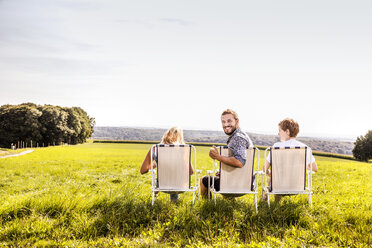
(155, 134)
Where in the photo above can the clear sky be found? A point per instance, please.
(165, 63)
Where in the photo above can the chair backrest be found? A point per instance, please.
(236, 180)
(288, 169)
(173, 166)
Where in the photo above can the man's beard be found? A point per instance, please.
(232, 130)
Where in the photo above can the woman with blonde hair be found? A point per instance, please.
(173, 136)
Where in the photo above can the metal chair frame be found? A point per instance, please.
(254, 176)
(154, 174)
(307, 190)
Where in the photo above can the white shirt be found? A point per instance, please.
(292, 143)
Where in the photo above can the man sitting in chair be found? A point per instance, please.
(237, 142)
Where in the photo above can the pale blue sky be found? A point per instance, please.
(166, 63)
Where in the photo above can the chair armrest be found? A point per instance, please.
(199, 171)
(209, 172)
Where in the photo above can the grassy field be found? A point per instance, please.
(7, 152)
(93, 195)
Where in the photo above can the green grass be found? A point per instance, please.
(93, 195)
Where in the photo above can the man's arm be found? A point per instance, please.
(214, 154)
(230, 161)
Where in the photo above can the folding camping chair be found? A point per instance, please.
(172, 174)
(236, 181)
(288, 172)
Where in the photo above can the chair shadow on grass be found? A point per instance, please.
(286, 213)
(225, 208)
(130, 217)
(240, 215)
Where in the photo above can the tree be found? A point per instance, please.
(81, 124)
(363, 147)
(46, 124)
(87, 125)
(19, 123)
(74, 123)
(54, 124)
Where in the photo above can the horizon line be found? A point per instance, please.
(348, 138)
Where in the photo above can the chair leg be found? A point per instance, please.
(199, 186)
(255, 202)
(153, 198)
(193, 197)
(214, 196)
(268, 199)
(209, 188)
(262, 186)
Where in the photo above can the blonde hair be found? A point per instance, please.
(230, 111)
(174, 136)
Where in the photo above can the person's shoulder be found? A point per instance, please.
(289, 143)
(241, 134)
(240, 138)
(278, 144)
(300, 143)
(281, 144)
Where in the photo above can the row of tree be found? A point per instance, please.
(44, 124)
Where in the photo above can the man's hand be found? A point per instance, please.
(213, 153)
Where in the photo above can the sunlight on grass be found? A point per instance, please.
(93, 195)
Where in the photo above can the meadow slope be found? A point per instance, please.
(92, 195)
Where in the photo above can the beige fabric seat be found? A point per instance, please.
(288, 171)
(172, 174)
(236, 181)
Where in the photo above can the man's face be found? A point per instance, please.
(229, 124)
